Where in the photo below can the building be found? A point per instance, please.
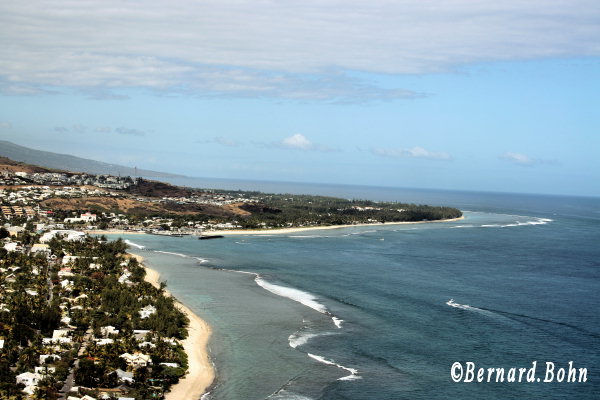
(137, 360)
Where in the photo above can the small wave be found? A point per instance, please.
(300, 296)
(297, 339)
(353, 372)
(172, 254)
(307, 236)
(285, 395)
(462, 226)
(205, 396)
(138, 246)
(295, 294)
(537, 221)
(201, 260)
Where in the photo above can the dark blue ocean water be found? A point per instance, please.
(522, 271)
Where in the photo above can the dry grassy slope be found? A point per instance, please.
(132, 206)
(6, 164)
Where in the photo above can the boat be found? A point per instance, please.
(206, 237)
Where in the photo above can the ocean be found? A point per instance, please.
(385, 312)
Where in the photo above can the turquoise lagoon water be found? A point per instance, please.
(384, 312)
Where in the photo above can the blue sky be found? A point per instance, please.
(440, 94)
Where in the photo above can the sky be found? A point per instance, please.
(449, 94)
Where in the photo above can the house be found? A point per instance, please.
(44, 358)
(125, 377)
(1, 343)
(40, 248)
(102, 342)
(15, 230)
(66, 271)
(14, 247)
(147, 311)
(28, 379)
(88, 217)
(108, 330)
(170, 365)
(137, 360)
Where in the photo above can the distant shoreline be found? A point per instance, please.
(200, 374)
(277, 231)
(315, 228)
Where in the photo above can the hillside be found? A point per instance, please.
(70, 163)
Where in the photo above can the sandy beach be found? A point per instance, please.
(200, 373)
(316, 228)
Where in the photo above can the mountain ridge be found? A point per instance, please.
(72, 163)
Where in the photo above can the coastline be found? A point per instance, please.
(316, 228)
(200, 374)
(280, 231)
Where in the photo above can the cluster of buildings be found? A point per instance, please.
(9, 178)
(59, 277)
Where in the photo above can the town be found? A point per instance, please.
(78, 321)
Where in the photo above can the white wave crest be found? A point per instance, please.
(172, 254)
(353, 372)
(137, 246)
(201, 260)
(338, 322)
(297, 339)
(297, 295)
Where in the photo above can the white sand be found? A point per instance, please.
(200, 373)
(315, 228)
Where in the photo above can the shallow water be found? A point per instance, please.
(366, 313)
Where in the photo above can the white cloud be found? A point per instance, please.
(250, 48)
(130, 131)
(415, 152)
(78, 128)
(5, 125)
(517, 158)
(300, 142)
(297, 141)
(220, 140)
(525, 160)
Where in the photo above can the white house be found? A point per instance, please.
(137, 360)
(108, 330)
(103, 341)
(147, 311)
(28, 378)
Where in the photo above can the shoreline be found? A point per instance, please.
(200, 374)
(280, 231)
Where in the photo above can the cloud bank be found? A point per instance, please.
(298, 49)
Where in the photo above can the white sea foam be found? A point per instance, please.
(298, 339)
(536, 221)
(338, 322)
(201, 260)
(285, 395)
(172, 254)
(138, 246)
(353, 372)
(297, 295)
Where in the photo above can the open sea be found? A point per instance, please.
(384, 312)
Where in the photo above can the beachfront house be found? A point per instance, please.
(137, 360)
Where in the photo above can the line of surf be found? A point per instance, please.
(353, 372)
